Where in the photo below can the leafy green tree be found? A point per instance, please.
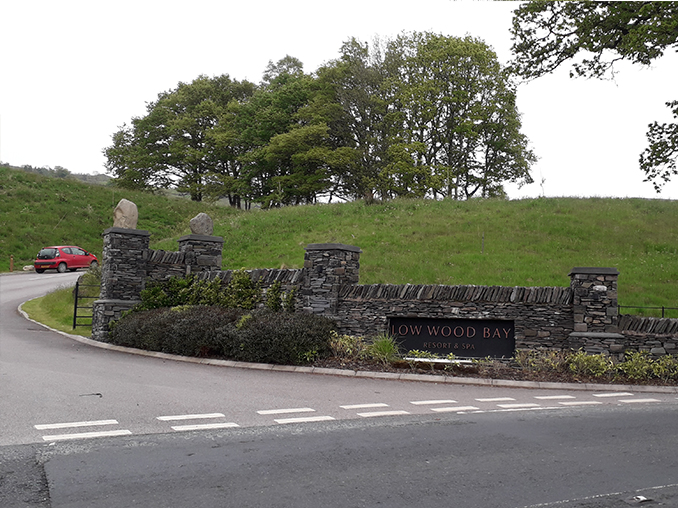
(592, 36)
(353, 83)
(175, 143)
(460, 128)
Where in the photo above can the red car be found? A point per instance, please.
(62, 258)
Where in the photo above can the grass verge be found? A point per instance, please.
(55, 310)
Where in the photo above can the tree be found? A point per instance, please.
(354, 84)
(176, 144)
(458, 122)
(593, 36)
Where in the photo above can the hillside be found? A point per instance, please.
(36, 211)
(485, 242)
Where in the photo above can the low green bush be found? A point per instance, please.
(584, 364)
(183, 330)
(348, 347)
(285, 338)
(666, 368)
(636, 365)
(240, 292)
(217, 332)
(542, 361)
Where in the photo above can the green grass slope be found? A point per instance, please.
(531, 242)
(36, 211)
(485, 242)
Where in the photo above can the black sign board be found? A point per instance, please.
(466, 338)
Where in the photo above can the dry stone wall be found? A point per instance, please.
(583, 315)
(542, 316)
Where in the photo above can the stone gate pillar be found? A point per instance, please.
(328, 267)
(123, 276)
(595, 299)
(203, 252)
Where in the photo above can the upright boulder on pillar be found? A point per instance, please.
(125, 215)
(202, 224)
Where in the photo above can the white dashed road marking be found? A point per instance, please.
(631, 401)
(86, 435)
(383, 413)
(613, 394)
(286, 411)
(517, 406)
(71, 425)
(581, 403)
(205, 426)
(364, 406)
(453, 409)
(496, 399)
(190, 417)
(554, 397)
(305, 420)
(425, 402)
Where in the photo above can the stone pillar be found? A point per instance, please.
(123, 276)
(203, 252)
(595, 299)
(328, 267)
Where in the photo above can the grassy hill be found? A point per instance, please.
(531, 242)
(36, 211)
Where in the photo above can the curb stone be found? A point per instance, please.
(393, 376)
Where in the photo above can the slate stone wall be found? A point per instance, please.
(583, 315)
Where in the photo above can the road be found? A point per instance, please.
(83, 426)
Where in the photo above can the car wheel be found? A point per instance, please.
(40, 270)
(93, 264)
(62, 268)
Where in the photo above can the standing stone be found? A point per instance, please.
(202, 224)
(125, 215)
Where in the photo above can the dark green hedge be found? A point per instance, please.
(216, 332)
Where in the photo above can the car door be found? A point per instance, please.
(66, 255)
(80, 259)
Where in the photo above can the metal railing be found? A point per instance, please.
(662, 308)
(80, 294)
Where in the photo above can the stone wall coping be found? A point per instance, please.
(202, 238)
(333, 246)
(116, 302)
(597, 335)
(126, 231)
(592, 270)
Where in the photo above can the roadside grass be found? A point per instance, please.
(55, 310)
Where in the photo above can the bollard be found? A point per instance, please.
(11, 263)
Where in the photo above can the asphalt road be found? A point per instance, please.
(82, 426)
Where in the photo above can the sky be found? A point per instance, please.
(72, 72)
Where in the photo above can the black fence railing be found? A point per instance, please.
(665, 311)
(84, 293)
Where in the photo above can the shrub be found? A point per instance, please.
(636, 365)
(241, 292)
(583, 364)
(349, 347)
(276, 337)
(666, 368)
(183, 330)
(542, 361)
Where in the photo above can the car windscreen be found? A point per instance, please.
(47, 254)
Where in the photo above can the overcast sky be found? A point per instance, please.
(72, 72)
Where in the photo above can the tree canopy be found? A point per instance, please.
(592, 36)
(419, 115)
